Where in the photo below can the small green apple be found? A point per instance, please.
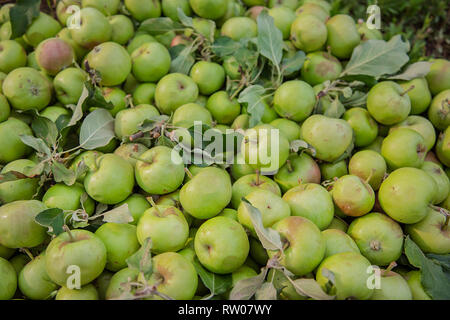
(320, 67)
(443, 147)
(173, 91)
(53, 55)
(294, 100)
(68, 85)
(94, 30)
(441, 179)
(12, 56)
(438, 78)
(116, 285)
(370, 166)
(22, 189)
(170, 8)
(419, 95)
(309, 33)
(353, 196)
(439, 111)
(43, 27)
(141, 10)
(107, 7)
(209, 76)
(223, 108)
(8, 280)
(343, 36)
(68, 198)
(251, 182)
(420, 125)
(363, 125)
(209, 9)
(414, 279)
(338, 241)
(151, 61)
(87, 292)
(329, 171)
(128, 120)
(392, 287)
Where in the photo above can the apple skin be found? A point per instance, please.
(431, 234)
(329, 171)
(343, 36)
(338, 241)
(364, 126)
(94, 30)
(386, 104)
(406, 193)
(297, 170)
(313, 8)
(283, 18)
(87, 292)
(12, 147)
(392, 287)
(306, 245)
(26, 89)
(438, 78)
(248, 183)
(174, 90)
(270, 205)
(321, 132)
(257, 252)
(379, 238)
(19, 261)
(152, 171)
(144, 94)
(420, 95)
(338, 224)
(102, 284)
(441, 179)
(6, 253)
(170, 7)
(223, 109)
(141, 10)
(320, 67)
(138, 40)
(287, 127)
(69, 84)
(209, 76)
(353, 196)
(54, 112)
(137, 204)
(422, 126)
(166, 226)
(53, 55)
(23, 189)
(221, 245)
(128, 120)
(173, 275)
(67, 198)
(308, 33)
(368, 34)
(414, 279)
(115, 288)
(187, 114)
(294, 100)
(151, 61)
(439, 111)
(12, 56)
(107, 7)
(80, 51)
(130, 151)
(120, 241)
(209, 9)
(43, 27)
(207, 194)
(350, 270)
(443, 147)
(122, 29)
(34, 281)
(8, 280)
(17, 226)
(89, 158)
(370, 166)
(311, 201)
(86, 251)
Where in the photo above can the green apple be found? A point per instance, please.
(187, 114)
(170, 8)
(283, 18)
(337, 241)
(100, 59)
(34, 282)
(122, 28)
(388, 103)
(297, 170)
(174, 90)
(305, 245)
(329, 171)
(438, 78)
(116, 285)
(68, 198)
(289, 128)
(392, 287)
(363, 125)
(209, 76)
(117, 97)
(320, 67)
(308, 33)
(419, 95)
(441, 179)
(322, 132)
(353, 196)
(431, 234)
(5, 109)
(17, 226)
(174, 276)
(291, 4)
(443, 147)
(107, 7)
(139, 40)
(151, 61)
(251, 182)
(87, 292)
(223, 108)
(12, 56)
(209, 9)
(221, 245)
(68, 85)
(338, 224)
(421, 125)
(141, 10)
(379, 238)
(22, 189)
(120, 241)
(368, 34)
(207, 193)
(89, 158)
(53, 55)
(137, 205)
(294, 100)
(8, 277)
(166, 226)
(144, 94)
(43, 27)
(239, 168)
(311, 201)
(343, 36)
(314, 9)
(78, 248)
(128, 120)
(159, 170)
(238, 28)
(131, 151)
(404, 147)
(439, 111)
(79, 50)
(19, 261)
(94, 30)
(5, 252)
(350, 273)
(370, 166)
(112, 180)
(54, 112)
(102, 284)
(375, 145)
(414, 279)
(405, 195)
(26, 88)
(270, 205)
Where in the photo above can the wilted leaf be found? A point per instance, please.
(297, 145)
(118, 215)
(142, 259)
(217, 284)
(413, 71)
(12, 176)
(246, 288)
(62, 174)
(270, 38)
(310, 288)
(97, 130)
(266, 292)
(53, 219)
(22, 15)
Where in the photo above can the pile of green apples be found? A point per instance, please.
(93, 205)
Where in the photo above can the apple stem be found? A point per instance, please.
(136, 136)
(152, 202)
(257, 177)
(27, 252)
(391, 266)
(66, 229)
(407, 90)
(289, 165)
(189, 173)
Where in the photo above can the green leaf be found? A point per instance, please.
(413, 71)
(293, 64)
(377, 58)
(184, 19)
(270, 38)
(45, 129)
(120, 214)
(246, 288)
(97, 130)
(37, 144)
(95, 98)
(310, 288)
(158, 26)
(358, 99)
(270, 239)
(22, 15)
(435, 281)
(225, 47)
(183, 61)
(62, 174)
(78, 109)
(53, 219)
(217, 284)
(253, 97)
(142, 259)
(442, 259)
(266, 292)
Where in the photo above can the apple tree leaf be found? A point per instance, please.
(120, 214)
(376, 58)
(62, 174)
(224, 47)
(270, 38)
(45, 129)
(253, 97)
(97, 130)
(95, 98)
(266, 292)
(435, 278)
(159, 26)
(217, 284)
(53, 219)
(184, 19)
(141, 260)
(245, 289)
(416, 70)
(442, 259)
(310, 288)
(12, 176)
(183, 61)
(37, 144)
(270, 239)
(290, 65)
(22, 15)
